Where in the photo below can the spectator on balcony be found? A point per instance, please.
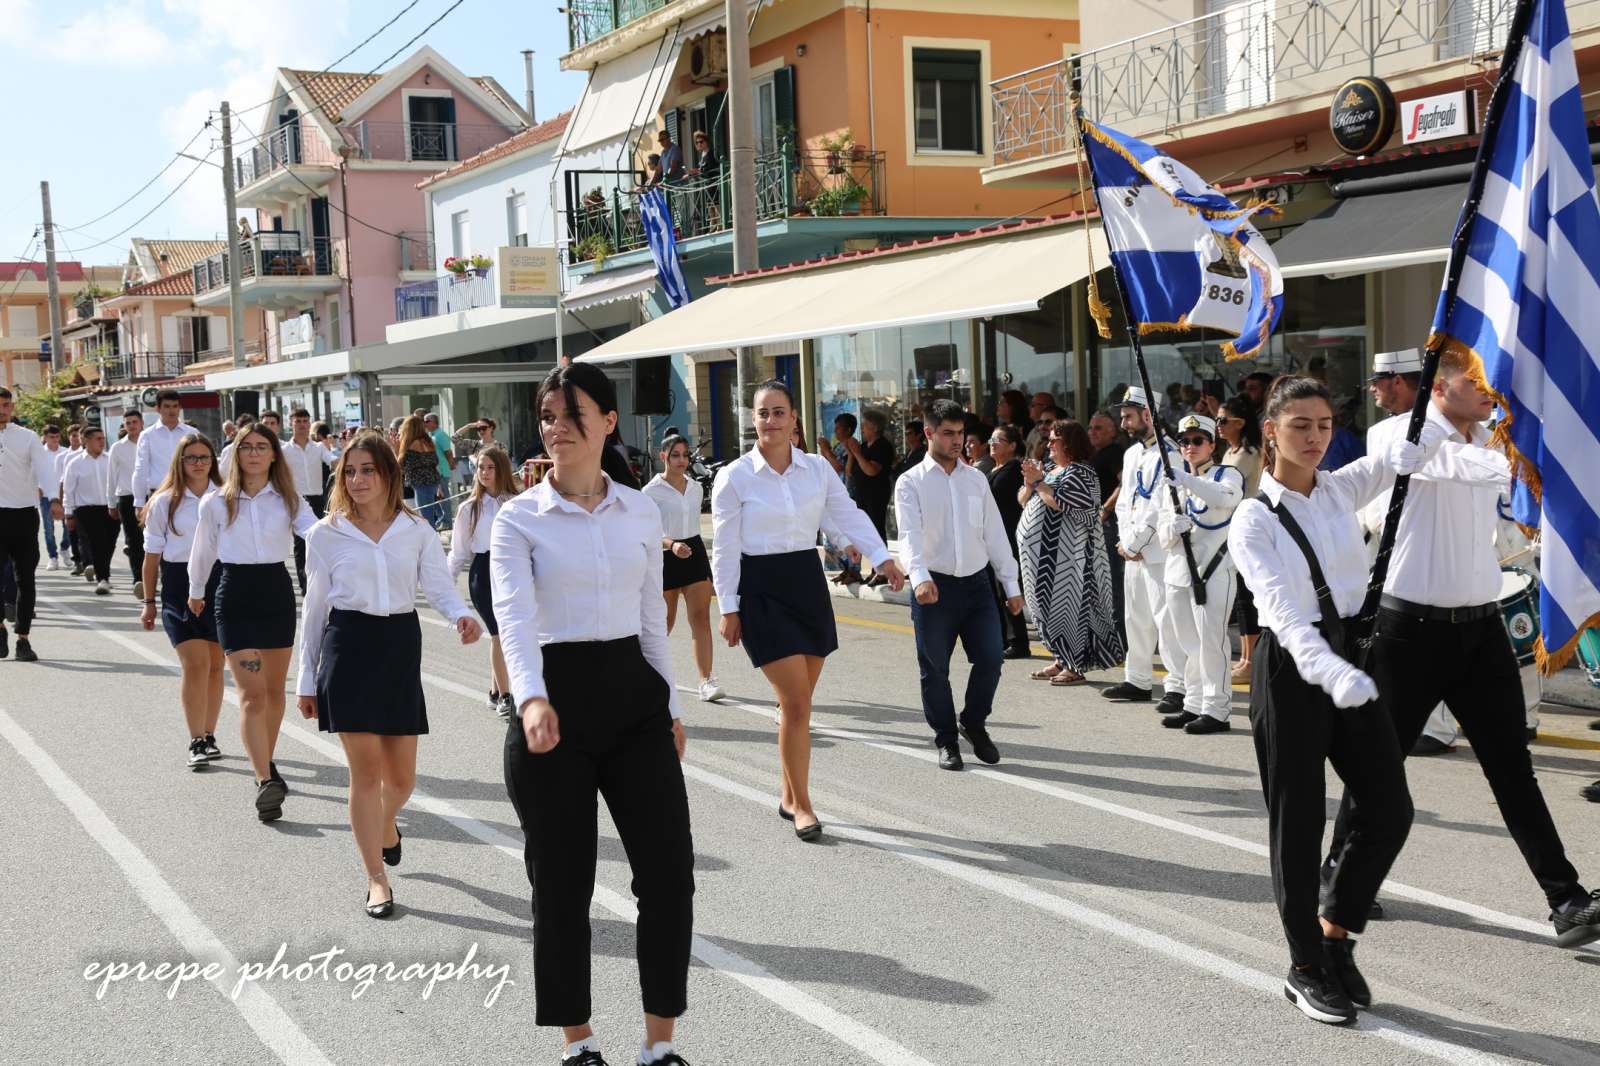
(652, 172)
(244, 230)
(671, 158)
(706, 164)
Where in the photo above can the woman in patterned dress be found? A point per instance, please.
(1066, 579)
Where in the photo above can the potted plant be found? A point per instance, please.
(836, 147)
(596, 246)
(458, 268)
(481, 265)
(841, 198)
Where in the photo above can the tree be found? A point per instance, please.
(42, 403)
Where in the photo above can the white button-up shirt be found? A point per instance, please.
(61, 457)
(171, 539)
(1138, 504)
(154, 457)
(949, 524)
(86, 482)
(1276, 571)
(680, 511)
(1444, 552)
(262, 531)
(27, 468)
(757, 511)
(308, 464)
(123, 453)
(349, 571)
(562, 574)
(471, 534)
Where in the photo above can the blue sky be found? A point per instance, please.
(105, 92)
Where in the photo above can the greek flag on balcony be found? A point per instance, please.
(1187, 256)
(657, 220)
(1526, 316)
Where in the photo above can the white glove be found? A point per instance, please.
(1352, 688)
(1179, 524)
(1405, 458)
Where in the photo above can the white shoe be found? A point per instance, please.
(710, 690)
(103, 589)
(138, 590)
(55, 564)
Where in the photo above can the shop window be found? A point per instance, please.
(517, 219)
(945, 96)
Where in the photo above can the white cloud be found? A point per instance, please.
(121, 37)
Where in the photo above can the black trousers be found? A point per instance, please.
(1297, 728)
(616, 742)
(19, 542)
(132, 536)
(319, 509)
(97, 535)
(1471, 667)
(1013, 627)
(1111, 533)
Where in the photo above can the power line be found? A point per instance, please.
(329, 68)
(160, 204)
(175, 157)
(26, 259)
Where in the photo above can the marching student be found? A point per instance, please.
(249, 526)
(123, 453)
(81, 563)
(157, 443)
(1440, 605)
(685, 566)
(170, 518)
(767, 508)
(1146, 619)
(86, 498)
(576, 568)
(225, 459)
(310, 462)
(1210, 492)
(492, 486)
(1298, 545)
(28, 485)
(50, 436)
(361, 646)
(951, 534)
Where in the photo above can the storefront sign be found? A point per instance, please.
(1430, 118)
(529, 277)
(1362, 117)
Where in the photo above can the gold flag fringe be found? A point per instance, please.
(1097, 307)
(1548, 662)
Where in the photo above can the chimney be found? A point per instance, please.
(527, 76)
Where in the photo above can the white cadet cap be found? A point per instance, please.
(1203, 423)
(1134, 397)
(1406, 361)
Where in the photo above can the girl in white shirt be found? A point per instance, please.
(492, 485)
(685, 567)
(576, 567)
(170, 518)
(767, 508)
(249, 525)
(361, 645)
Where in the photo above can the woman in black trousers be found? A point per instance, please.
(575, 564)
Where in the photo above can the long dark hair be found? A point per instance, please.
(573, 378)
(1241, 408)
(1285, 391)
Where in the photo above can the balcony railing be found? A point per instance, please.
(1245, 55)
(589, 20)
(603, 214)
(270, 253)
(431, 142)
(132, 367)
(285, 146)
(445, 295)
(417, 252)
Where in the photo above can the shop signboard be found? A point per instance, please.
(1433, 118)
(529, 277)
(1362, 117)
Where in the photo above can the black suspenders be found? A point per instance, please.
(1332, 624)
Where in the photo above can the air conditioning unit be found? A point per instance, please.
(708, 59)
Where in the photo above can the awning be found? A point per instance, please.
(607, 286)
(1363, 234)
(622, 96)
(963, 279)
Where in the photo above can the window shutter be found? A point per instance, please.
(784, 103)
(670, 123)
(717, 119)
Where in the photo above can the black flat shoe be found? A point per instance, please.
(811, 833)
(391, 856)
(1206, 724)
(1591, 792)
(1179, 720)
(786, 815)
(380, 910)
(269, 800)
(25, 652)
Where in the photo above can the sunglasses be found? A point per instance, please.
(1193, 442)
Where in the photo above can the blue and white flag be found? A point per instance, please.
(1527, 309)
(1188, 256)
(657, 220)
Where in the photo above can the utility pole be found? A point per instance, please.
(52, 282)
(742, 169)
(235, 262)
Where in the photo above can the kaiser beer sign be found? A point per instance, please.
(1432, 118)
(1362, 117)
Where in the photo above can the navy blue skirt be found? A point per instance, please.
(480, 592)
(784, 607)
(677, 573)
(255, 607)
(369, 678)
(180, 625)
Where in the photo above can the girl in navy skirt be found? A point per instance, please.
(469, 554)
(685, 566)
(249, 526)
(170, 518)
(361, 645)
(767, 508)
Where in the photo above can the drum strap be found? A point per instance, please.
(1332, 624)
(1216, 561)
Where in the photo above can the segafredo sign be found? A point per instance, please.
(1431, 118)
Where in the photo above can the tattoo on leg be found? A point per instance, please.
(252, 665)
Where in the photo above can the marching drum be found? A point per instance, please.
(1519, 610)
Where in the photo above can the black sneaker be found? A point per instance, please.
(1427, 745)
(495, 700)
(982, 746)
(272, 769)
(269, 800)
(212, 751)
(1318, 995)
(1170, 703)
(1179, 720)
(1591, 792)
(1123, 692)
(1342, 962)
(584, 1058)
(25, 652)
(508, 707)
(1017, 653)
(197, 753)
(673, 1059)
(1206, 724)
(949, 757)
(1580, 925)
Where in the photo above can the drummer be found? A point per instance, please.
(1440, 637)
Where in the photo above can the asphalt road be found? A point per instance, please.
(1100, 896)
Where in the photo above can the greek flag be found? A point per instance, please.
(657, 220)
(1188, 257)
(1528, 307)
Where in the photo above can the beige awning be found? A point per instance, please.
(959, 279)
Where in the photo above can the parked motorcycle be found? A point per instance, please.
(704, 471)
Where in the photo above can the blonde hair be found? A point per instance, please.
(383, 457)
(279, 476)
(175, 481)
(411, 432)
(504, 484)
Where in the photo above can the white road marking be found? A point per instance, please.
(271, 1024)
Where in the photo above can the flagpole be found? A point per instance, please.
(1197, 586)
(1452, 281)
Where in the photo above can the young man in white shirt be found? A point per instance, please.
(87, 501)
(951, 533)
(156, 445)
(123, 453)
(27, 485)
(310, 462)
(51, 439)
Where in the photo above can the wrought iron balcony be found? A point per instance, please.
(269, 254)
(432, 142)
(132, 367)
(284, 147)
(1248, 54)
(417, 252)
(589, 20)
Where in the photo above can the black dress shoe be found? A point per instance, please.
(1591, 792)
(785, 814)
(379, 910)
(1533, 733)
(1170, 703)
(1342, 962)
(1123, 692)
(1179, 720)
(811, 833)
(5, 643)
(1580, 926)
(1427, 745)
(1319, 995)
(25, 652)
(1206, 724)
(391, 856)
(949, 757)
(585, 1058)
(982, 746)
(1017, 653)
(1375, 912)
(272, 773)
(269, 800)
